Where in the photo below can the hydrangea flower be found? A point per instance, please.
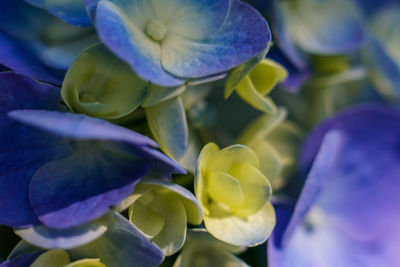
(299, 31)
(101, 85)
(161, 210)
(109, 240)
(347, 212)
(63, 169)
(234, 195)
(169, 42)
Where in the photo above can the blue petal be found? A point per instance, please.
(97, 175)
(23, 150)
(297, 77)
(21, 20)
(34, 42)
(48, 238)
(122, 245)
(72, 12)
(372, 150)
(83, 186)
(127, 40)
(322, 168)
(354, 191)
(279, 27)
(335, 28)
(79, 127)
(22, 57)
(244, 35)
(20, 261)
(192, 19)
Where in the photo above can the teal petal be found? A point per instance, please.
(167, 122)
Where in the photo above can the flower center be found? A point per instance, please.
(156, 30)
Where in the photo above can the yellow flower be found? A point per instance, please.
(257, 84)
(234, 195)
(161, 210)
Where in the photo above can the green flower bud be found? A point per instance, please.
(161, 210)
(101, 85)
(234, 195)
(258, 83)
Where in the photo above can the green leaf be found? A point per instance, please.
(167, 122)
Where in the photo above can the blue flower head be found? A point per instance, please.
(169, 42)
(63, 169)
(347, 213)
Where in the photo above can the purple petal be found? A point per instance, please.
(107, 162)
(79, 127)
(82, 187)
(324, 164)
(122, 245)
(22, 149)
(21, 261)
(354, 191)
(367, 174)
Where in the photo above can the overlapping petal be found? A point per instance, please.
(121, 245)
(83, 178)
(348, 206)
(234, 195)
(336, 28)
(124, 38)
(169, 44)
(38, 44)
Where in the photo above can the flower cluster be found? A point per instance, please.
(197, 133)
